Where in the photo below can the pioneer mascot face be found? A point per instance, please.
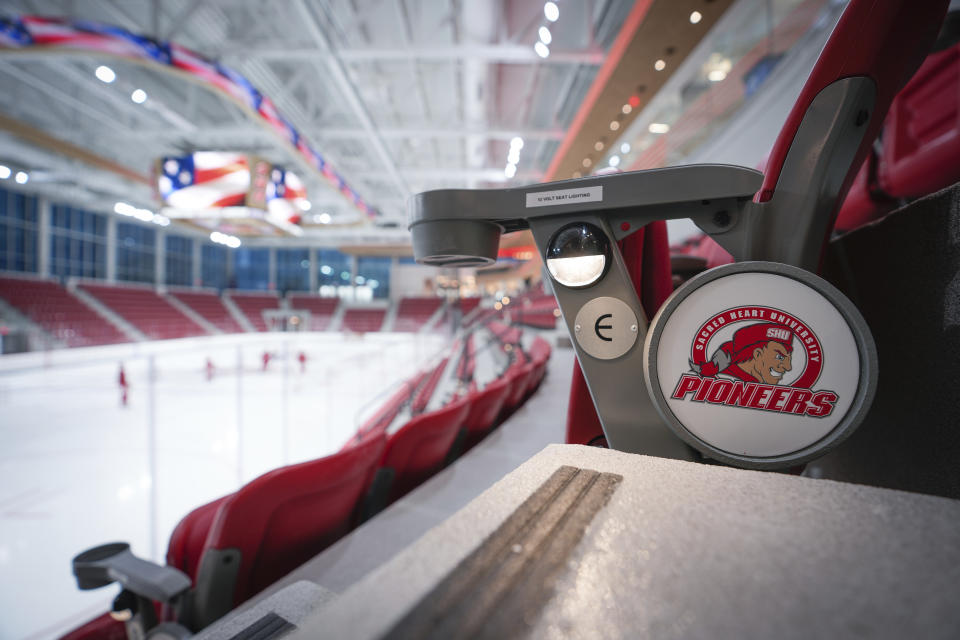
(769, 363)
(760, 352)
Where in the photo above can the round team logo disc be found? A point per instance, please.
(761, 365)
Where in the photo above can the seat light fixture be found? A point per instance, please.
(577, 255)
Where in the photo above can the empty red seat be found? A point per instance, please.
(413, 313)
(146, 310)
(252, 305)
(921, 136)
(210, 307)
(236, 546)
(419, 449)
(485, 406)
(321, 309)
(363, 320)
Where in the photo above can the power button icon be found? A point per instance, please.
(606, 328)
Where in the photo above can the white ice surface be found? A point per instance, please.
(75, 466)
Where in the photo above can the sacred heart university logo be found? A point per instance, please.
(757, 357)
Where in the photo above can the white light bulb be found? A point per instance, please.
(545, 36)
(542, 50)
(4, 172)
(105, 74)
(22, 177)
(695, 17)
(551, 11)
(139, 96)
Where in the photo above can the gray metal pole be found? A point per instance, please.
(152, 454)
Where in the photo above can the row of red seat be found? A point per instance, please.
(59, 312)
(146, 310)
(313, 504)
(413, 313)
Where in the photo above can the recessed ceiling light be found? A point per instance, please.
(22, 177)
(658, 127)
(105, 74)
(551, 11)
(626, 108)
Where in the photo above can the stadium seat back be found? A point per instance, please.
(420, 447)
(485, 405)
(277, 522)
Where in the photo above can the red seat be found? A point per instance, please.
(419, 449)
(921, 137)
(236, 546)
(485, 406)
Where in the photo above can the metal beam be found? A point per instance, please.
(339, 74)
(339, 133)
(501, 53)
(430, 174)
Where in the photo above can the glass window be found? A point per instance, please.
(333, 271)
(136, 250)
(213, 266)
(179, 258)
(374, 273)
(251, 269)
(78, 242)
(293, 269)
(18, 231)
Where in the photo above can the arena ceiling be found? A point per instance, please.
(399, 96)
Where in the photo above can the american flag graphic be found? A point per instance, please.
(204, 180)
(82, 35)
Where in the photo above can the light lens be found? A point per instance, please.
(577, 255)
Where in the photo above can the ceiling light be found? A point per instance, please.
(614, 161)
(695, 17)
(305, 205)
(659, 65)
(717, 75)
(625, 147)
(551, 11)
(4, 172)
(598, 145)
(326, 270)
(626, 108)
(514, 156)
(545, 36)
(324, 218)
(658, 127)
(614, 125)
(516, 143)
(510, 170)
(542, 50)
(139, 96)
(22, 177)
(105, 74)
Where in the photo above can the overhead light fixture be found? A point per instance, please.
(22, 177)
(324, 218)
(551, 11)
(305, 205)
(695, 17)
(139, 96)
(514, 156)
(4, 172)
(626, 108)
(577, 174)
(545, 36)
(105, 74)
(510, 170)
(542, 50)
(659, 65)
(222, 238)
(586, 163)
(598, 145)
(516, 143)
(614, 161)
(658, 127)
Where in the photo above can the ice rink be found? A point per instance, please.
(78, 469)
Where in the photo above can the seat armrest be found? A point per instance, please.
(114, 562)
